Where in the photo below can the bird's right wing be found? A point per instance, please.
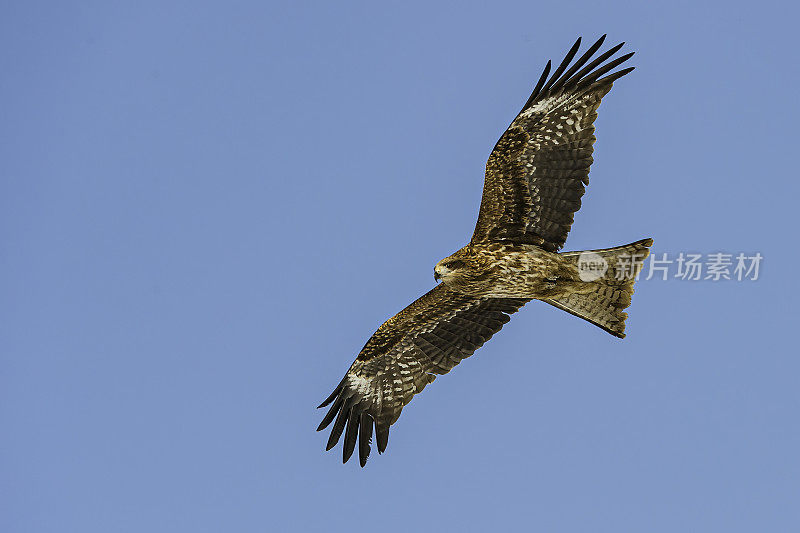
(429, 337)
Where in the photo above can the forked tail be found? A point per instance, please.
(611, 273)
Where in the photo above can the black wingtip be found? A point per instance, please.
(596, 75)
(539, 84)
(561, 67)
(338, 426)
(329, 415)
(364, 438)
(578, 64)
(350, 435)
(381, 436)
(333, 395)
(328, 400)
(580, 75)
(611, 78)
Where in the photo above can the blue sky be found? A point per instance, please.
(206, 209)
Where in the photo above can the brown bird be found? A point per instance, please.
(535, 178)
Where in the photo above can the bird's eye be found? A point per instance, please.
(454, 264)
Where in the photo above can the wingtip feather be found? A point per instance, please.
(330, 415)
(332, 396)
(350, 435)
(577, 76)
(381, 436)
(611, 78)
(338, 426)
(562, 66)
(364, 438)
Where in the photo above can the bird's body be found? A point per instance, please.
(508, 270)
(535, 178)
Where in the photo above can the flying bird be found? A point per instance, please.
(535, 178)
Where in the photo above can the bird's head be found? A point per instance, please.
(453, 267)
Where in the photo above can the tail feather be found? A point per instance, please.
(610, 292)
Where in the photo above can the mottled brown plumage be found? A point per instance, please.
(535, 178)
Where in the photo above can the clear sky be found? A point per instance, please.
(206, 210)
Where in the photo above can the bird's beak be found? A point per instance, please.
(436, 276)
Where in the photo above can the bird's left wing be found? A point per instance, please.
(429, 337)
(536, 174)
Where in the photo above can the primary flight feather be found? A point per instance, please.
(535, 178)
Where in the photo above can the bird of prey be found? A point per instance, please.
(535, 178)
